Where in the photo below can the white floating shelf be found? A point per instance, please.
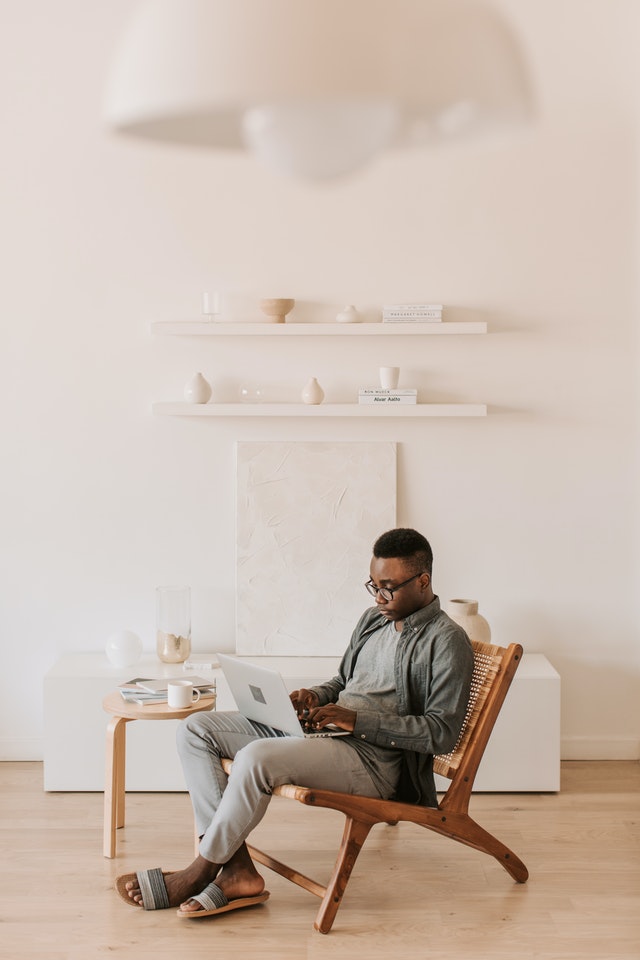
(181, 409)
(204, 328)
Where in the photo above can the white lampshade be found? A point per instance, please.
(315, 88)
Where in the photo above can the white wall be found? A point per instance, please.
(533, 510)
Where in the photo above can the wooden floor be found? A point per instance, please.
(412, 895)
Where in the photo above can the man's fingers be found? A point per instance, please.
(303, 700)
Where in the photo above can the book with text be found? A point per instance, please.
(413, 306)
(390, 397)
(419, 312)
(142, 698)
(418, 318)
(387, 391)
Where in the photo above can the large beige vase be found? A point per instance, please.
(465, 612)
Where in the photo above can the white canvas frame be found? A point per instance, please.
(307, 516)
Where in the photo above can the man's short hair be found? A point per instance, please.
(407, 545)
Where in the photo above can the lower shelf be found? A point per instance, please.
(181, 409)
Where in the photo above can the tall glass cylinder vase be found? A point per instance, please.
(173, 623)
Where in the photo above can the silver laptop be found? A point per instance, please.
(261, 695)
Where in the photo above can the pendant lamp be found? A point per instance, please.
(315, 88)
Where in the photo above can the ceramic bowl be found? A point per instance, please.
(277, 309)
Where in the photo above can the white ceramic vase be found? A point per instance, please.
(465, 613)
(389, 377)
(348, 315)
(313, 392)
(197, 390)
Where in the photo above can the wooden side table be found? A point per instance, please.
(116, 751)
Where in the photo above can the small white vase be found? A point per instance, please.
(465, 613)
(313, 392)
(348, 315)
(197, 390)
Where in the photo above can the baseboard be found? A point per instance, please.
(21, 749)
(600, 748)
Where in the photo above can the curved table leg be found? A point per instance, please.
(114, 782)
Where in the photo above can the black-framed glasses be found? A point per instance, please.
(387, 592)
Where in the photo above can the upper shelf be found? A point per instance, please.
(214, 328)
(182, 409)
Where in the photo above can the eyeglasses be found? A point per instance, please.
(387, 592)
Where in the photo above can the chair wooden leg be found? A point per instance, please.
(355, 834)
(289, 873)
(473, 835)
(511, 863)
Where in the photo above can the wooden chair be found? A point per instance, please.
(494, 668)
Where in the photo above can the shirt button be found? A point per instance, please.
(393, 743)
(362, 736)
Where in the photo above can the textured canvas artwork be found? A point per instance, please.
(307, 516)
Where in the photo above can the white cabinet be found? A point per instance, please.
(523, 753)
(75, 723)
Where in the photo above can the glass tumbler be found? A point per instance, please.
(173, 623)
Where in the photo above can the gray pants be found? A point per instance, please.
(227, 809)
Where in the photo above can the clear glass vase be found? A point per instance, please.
(173, 623)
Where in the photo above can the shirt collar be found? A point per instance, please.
(424, 614)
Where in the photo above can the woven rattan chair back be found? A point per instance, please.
(487, 661)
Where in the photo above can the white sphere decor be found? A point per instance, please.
(123, 648)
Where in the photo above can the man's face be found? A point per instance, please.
(390, 572)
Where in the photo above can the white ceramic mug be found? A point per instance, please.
(389, 377)
(181, 694)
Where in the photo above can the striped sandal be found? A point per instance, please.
(152, 888)
(214, 901)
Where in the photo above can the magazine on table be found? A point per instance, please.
(143, 690)
(161, 685)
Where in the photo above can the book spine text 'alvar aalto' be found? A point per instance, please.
(387, 398)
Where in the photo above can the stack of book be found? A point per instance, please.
(380, 395)
(143, 690)
(412, 313)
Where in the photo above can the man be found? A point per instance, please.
(401, 692)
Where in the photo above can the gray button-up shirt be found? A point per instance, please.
(433, 668)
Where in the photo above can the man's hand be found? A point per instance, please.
(303, 701)
(331, 714)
